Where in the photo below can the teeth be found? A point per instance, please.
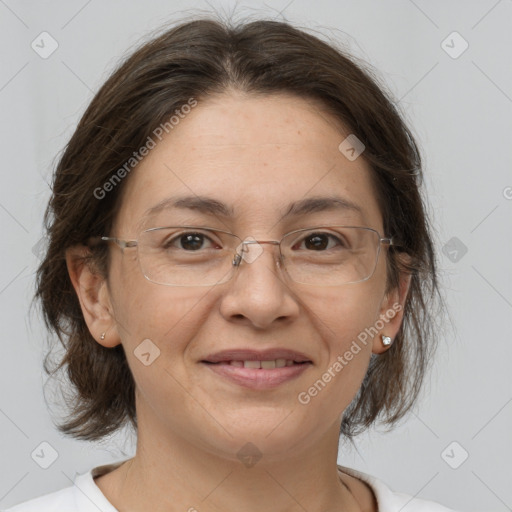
(276, 363)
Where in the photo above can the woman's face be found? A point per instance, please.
(257, 156)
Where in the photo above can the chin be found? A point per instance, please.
(254, 438)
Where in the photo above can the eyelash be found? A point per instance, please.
(167, 243)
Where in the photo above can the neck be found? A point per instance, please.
(169, 473)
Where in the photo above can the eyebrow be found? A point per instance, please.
(211, 206)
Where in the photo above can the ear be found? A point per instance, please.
(93, 294)
(392, 311)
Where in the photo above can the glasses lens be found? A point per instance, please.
(331, 256)
(324, 256)
(186, 256)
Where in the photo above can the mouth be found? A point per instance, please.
(258, 375)
(257, 364)
(257, 369)
(248, 358)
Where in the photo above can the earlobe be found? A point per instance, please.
(391, 315)
(93, 295)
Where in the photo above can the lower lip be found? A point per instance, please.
(258, 378)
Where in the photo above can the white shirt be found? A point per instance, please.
(85, 496)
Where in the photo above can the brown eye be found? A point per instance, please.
(192, 241)
(320, 242)
(189, 242)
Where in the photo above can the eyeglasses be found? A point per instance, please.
(202, 256)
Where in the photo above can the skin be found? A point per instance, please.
(256, 154)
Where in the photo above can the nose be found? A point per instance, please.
(259, 293)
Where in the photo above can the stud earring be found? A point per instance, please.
(102, 337)
(386, 340)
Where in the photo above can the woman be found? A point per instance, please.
(239, 266)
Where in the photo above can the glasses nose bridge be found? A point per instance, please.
(238, 258)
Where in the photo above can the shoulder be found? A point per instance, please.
(55, 501)
(83, 496)
(391, 501)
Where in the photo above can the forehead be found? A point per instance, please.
(255, 156)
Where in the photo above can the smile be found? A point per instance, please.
(275, 363)
(258, 375)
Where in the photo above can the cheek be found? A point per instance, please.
(343, 318)
(156, 320)
(158, 325)
(168, 317)
(341, 313)
(145, 309)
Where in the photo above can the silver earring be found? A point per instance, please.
(102, 337)
(386, 340)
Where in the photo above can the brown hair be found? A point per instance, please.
(194, 60)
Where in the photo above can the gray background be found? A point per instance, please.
(460, 108)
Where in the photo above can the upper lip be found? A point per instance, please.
(256, 355)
